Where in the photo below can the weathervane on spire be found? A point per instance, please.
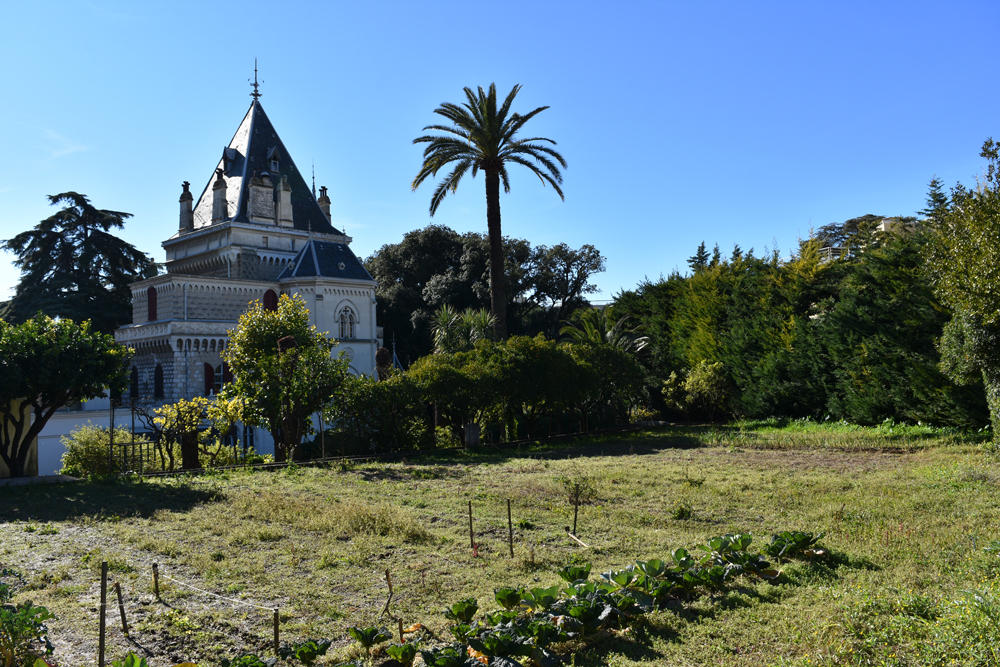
(256, 93)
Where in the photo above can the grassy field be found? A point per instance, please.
(910, 513)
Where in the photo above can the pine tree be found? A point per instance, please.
(73, 267)
(700, 258)
(937, 201)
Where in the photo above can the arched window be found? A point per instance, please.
(270, 300)
(222, 376)
(133, 386)
(158, 382)
(347, 321)
(151, 304)
(209, 379)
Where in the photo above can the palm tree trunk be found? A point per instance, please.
(498, 299)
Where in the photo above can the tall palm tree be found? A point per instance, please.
(483, 136)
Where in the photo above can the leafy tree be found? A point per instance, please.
(462, 387)
(609, 377)
(49, 364)
(435, 266)
(283, 371)
(373, 416)
(483, 136)
(965, 264)
(561, 278)
(73, 267)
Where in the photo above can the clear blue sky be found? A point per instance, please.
(733, 123)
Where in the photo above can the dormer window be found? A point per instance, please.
(273, 157)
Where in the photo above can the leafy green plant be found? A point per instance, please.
(501, 617)
(369, 636)
(447, 656)
(462, 611)
(792, 543)
(305, 652)
(404, 653)
(508, 597)
(130, 660)
(462, 631)
(22, 634)
(540, 599)
(575, 573)
(501, 643)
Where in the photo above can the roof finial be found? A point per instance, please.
(256, 93)
(314, 179)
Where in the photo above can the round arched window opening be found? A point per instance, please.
(271, 300)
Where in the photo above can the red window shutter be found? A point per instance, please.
(209, 379)
(227, 377)
(151, 304)
(270, 300)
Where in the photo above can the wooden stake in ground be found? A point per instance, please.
(472, 538)
(276, 621)
(104, 602)
(156, 581)
(388, 582)
(510, 530)
(121, 608)
(576, 505)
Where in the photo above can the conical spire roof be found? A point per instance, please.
(256, 148)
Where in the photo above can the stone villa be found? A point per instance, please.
(256, 232)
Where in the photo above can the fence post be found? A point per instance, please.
(276, 620)
(121, 608)
(510, 530)
(104, 601)
(156, 581)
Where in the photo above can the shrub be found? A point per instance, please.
(87, 451)
(702, 392)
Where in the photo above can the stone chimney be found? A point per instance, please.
(187, 215)
(324, 202)
(220, 205)
(284, 212)
(261, 198)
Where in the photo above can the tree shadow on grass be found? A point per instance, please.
(60, 502)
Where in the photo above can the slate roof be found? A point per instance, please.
(326, 259)
(251, 149)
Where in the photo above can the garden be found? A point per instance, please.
(773, 542)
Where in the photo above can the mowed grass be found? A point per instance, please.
(909, 514)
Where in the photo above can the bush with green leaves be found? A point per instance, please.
(86, 452)
(23, 634)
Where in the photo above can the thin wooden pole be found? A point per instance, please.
(156, 580)
(121, 608)
(276, 621)
(510, 530)
(104, 602)
(472, 539)
(388, 581)
(576, 505)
